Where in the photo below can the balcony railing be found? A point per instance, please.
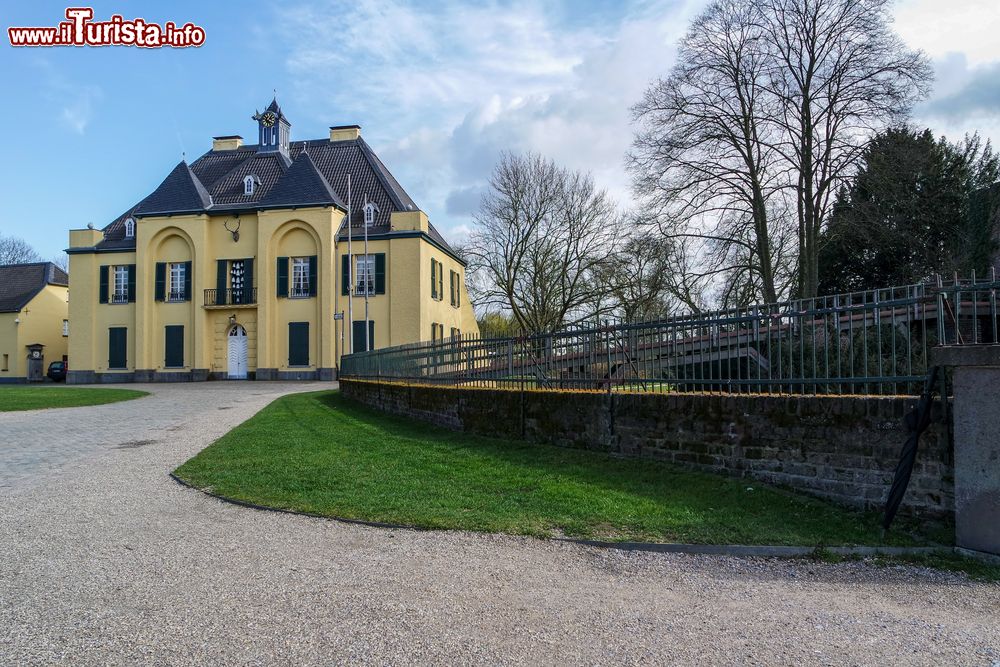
(241, 296)
(119, 297)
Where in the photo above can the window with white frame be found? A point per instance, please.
(300, 277)
(248, 183)
(65, 328)
(120, 293)
(130, 228)
(370, 209)
(177, 277)
(364, 274)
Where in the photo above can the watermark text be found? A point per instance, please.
(79, 29)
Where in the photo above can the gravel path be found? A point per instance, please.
(105, 560)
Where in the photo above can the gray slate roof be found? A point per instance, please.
(180, 192)
(316, 175)
(19, 283)
(302, 183)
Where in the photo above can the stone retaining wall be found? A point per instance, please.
(841, 448)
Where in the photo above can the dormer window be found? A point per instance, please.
(370, 210)
(130, 228)
(248, 185)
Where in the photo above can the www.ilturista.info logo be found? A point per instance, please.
(81, 30)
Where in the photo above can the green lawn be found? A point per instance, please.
(323, 454)
(26, 397)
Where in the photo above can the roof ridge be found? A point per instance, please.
(322, 179)
(368, 153)
(199, 186)
(39, 263)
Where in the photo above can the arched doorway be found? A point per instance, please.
(237, 353)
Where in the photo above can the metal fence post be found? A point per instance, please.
(607, 347)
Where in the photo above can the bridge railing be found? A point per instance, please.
(871, 342)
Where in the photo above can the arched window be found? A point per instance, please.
(130, 228)
(370, 209)
(248, 185)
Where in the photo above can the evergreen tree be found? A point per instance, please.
(903, 217)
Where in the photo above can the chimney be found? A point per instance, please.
(345, 132)
(228, 143)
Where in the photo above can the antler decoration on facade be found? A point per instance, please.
(234, 232)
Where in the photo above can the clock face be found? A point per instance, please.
(268, 119)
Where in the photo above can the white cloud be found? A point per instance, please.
(74, 102)
(443, 89)
(961, 40)
(458, 84)
(940, 28)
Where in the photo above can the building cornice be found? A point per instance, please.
(406, 234)
(90, 250)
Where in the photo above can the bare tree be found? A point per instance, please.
(639, 279)
(540, 236)
(704, 155)
(758, 124)
(14, 250)
(839, 74)
(62, 261)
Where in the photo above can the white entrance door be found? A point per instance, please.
(237, 353)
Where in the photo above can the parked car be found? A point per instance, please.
(57, 371)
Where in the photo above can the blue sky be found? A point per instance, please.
(439, 88)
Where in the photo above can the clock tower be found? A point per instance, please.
(272, 130)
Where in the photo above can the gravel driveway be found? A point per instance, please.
(105, 560)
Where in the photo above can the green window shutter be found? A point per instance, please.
(458, 289)
(117, 347)
(440, 291)
(358, 329)
(451, 288)
(434, 282)
(131, 283)
(312, 276)
(160, 282)
(298, 343)
(248, 280)
(282, 277)
(345, 274)
(380, 273)
(221, 275)
(174, 346)
(187, 281)
(102, 295)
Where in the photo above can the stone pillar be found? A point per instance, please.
(976, 416)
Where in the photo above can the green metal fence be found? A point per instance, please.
(873, 342)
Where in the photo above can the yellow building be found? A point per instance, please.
(237, 266)
(34, 320)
